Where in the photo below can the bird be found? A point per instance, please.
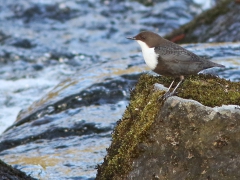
(169, 59)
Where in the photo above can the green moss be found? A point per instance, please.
(210, 90)
(133, 128)
(206, 17)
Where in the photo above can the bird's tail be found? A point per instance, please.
(217, 65)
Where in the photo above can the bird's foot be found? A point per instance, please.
(162, 88)
(167, 95)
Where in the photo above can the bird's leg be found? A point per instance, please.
(173, 92)
(170, 86)
(181, 80)
(168, 93)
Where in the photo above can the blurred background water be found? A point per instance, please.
(67, 66)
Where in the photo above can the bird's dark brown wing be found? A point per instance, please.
(178, 61)
(177, 55)
(174, 60)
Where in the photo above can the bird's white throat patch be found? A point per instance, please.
(149, 55)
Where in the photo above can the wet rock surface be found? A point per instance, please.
(8, 172)
(68, 68)
(50, 116)
(220, 24)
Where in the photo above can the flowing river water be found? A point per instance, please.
(67, 67)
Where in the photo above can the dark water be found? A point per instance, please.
(68, 66)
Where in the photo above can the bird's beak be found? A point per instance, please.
(131, 38)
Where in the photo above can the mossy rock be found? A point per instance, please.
(184, 34)
(133, 130)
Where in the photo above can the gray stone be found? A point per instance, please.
(191, 141)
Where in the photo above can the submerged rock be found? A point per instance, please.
(177, 138)
(8, 172)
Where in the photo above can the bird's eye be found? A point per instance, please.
(143, 37)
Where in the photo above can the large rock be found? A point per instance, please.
(177, 138)
(191, 141)
(219, 24)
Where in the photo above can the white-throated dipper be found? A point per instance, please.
(169, 59)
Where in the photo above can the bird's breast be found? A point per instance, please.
(150, 57)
